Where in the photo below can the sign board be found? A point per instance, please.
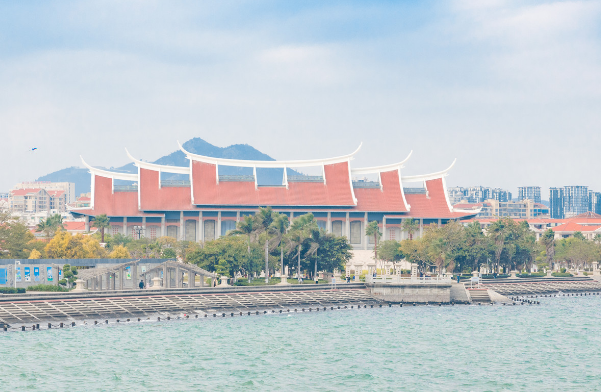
(49, 274)
(36, 274)
(18, 274)
(27, 274)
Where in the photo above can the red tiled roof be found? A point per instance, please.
(434, 204)
(335, 192)
(74, 226)
(387, 199)
(23, 192)
(572, 227)
(55, 193)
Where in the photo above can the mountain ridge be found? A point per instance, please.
(81, 176)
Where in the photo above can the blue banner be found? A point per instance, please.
(36, 274)
(49, 274)
(2, 275)
(18, 274)
(27, 274)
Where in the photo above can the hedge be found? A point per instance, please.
(12, 290)
(47, 287)
(562, 274)
(532, 275)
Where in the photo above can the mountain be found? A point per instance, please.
(81, 176)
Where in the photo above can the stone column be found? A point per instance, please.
(122, 278)
(329, 223)
(163, 227)
(237, 216)
(421, 227)
(384, 228)
(197, 237)
(87, 222)
(202, 227)
(182, 227)
(363, 237)
(165, 277)
(178, 278)
(347, 226)
(439, 222)
(218, 228)
(191, 279)
(125, 226)
(144, 225)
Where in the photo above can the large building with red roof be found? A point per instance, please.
(207, 205)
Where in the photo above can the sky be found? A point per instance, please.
(512, 89)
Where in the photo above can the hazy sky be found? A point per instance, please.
(510, 88)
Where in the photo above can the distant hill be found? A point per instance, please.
(81, 177)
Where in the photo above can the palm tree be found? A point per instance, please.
(50, 225)
(101, 222)
(372, 229)
(300, 233)
(246, 227)
(278, 228)
(410, 226)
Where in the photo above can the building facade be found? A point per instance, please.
(575, 200)
(477, 194)
(208, 205)
(556, 203)
(530, 193)
(67, 187)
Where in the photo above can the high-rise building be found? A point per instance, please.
(477, 194)
(575, 200)
(594, 202)
(556, 203)
(529, 193)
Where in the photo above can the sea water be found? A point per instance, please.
(552, 346)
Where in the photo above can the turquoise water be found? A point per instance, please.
(553, 346)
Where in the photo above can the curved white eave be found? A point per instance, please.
(160, 168)
(109, 174)
(268, 164)
(383, 168)
(431, 176)
(462, 211)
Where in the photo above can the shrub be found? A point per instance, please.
(532, 275)
(562, 274)
(562, 270)
(47, 287)
(12, 290)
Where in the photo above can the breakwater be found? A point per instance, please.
(65, 307)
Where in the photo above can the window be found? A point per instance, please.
(355, 232)
(115, 229)
(172, 231)
(209, 230)
(227, 226)
(392, 234)
(152, 231)
(190, 230)
(337, 228)
(321, 224)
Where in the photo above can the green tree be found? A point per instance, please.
(16, 241)
(390, 250)
(410, 226)
(301, 233)
(548, 241)
(50, 225)
(101, 222)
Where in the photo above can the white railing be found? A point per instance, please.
(407, 280)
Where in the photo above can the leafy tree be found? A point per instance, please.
(67, 246)
(278, 228)
(101, 222)
(16, 241)
(333, 253)
(578, 235)
(226, 255)
(119, 252)
(69, 275)
(390, 250)
(548, 241)
(35, 254)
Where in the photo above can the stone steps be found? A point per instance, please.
(479, 295)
